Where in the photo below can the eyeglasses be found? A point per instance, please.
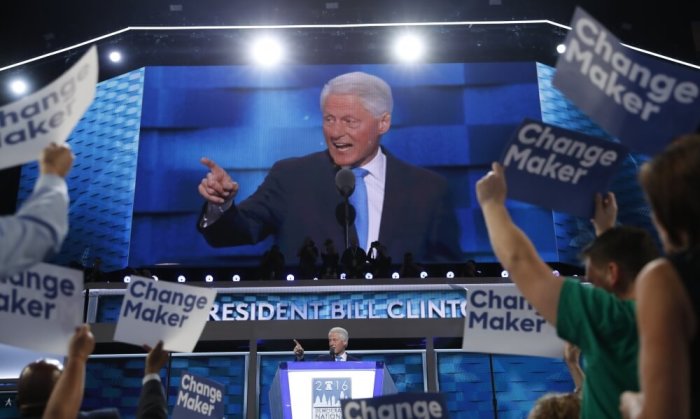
(347, 122)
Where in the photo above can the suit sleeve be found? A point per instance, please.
(37, 230)
(444, 234)
(253, 219)
(152, 403)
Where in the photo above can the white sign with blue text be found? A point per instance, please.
(397, 406)
(559, 169)
(155, 310)
(500, 321)
(641, 100)
(43, 301)
(48, 115)
(199, 398)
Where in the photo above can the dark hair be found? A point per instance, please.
(556, 406)
(671, 181)
(36, 382)
(629, 247)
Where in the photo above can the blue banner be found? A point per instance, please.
(199, 398)
(643, 101)
(559, 169)
(406, 405)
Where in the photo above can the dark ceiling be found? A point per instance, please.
(32, 28)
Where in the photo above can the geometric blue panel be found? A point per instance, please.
(464, 380)
(226, 369)
(101, 183)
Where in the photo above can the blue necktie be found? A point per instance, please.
(338, 358)
(359, 200)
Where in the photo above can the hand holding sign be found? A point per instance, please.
(605, 214)
(56, 160)
(492, 187)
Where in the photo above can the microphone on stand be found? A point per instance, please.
(345, 183)
(332, 353)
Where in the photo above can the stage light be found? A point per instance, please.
(450, 274)
(155, 278)
(181, 278)
(395, 275)
(504, 274)
(409, 48)
(290, 277)
(267, 51)
(423, 274)
(209, 278)
(369, 275)
(343, 275)
(127, 279)
(315, 278)
(561, 48)
(115, 56)
(236, 278)
(556, 273)
(18, 87)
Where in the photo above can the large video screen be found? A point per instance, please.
(134, 198)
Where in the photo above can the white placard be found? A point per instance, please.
(48, 115)
(499, 320)
(41, 307)
(155, 310)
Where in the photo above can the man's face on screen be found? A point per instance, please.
(351, 131)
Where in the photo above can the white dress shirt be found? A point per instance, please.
(375, 180)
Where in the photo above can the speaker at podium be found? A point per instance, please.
(303, 390)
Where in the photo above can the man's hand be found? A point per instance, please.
(605, 213)
(156, 358)
(81, 344)
(56, 160)
(298, 350)
(217, 187)
(492, 187)
(572, 353)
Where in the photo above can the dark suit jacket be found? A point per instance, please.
(328, 357)
(152, 403)
(299, 198)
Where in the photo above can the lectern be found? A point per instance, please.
(303, 390)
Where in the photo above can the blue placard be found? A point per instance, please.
(557, 168)
(643, 101)
(199, 398)
(406, 405)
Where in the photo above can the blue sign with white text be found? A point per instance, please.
(405, 405)
(641, 100)
(199, 398)
(557, 168)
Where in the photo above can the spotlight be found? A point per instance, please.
(343, 275)
(209, 278)
(127, 279)
(450, 274)
(18, 87)
(561, 48)
(409, 48)
(290, 277)
(556, 273)
(504, 274)
(315, 278)
(395, 275)
(155, 277)
(369, 275)
(181, 278)
(236, 278)
(267, 51)
(423, 274)
(115, 56)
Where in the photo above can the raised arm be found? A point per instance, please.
(514, 250)
(605, 214)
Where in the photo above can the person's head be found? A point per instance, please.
(614, 258)
(36, 382)
(338, 340)
(556, 406)
(671, 182)
(356, 111)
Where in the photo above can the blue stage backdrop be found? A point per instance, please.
(134, 188)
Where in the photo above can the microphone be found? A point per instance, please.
(332, 353)
(345, 182)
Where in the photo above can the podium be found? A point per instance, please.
(304, 390)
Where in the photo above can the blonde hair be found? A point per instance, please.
(557, 406)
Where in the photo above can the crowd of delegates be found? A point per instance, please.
(643, 360)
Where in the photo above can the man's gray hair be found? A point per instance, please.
(342, 332)
(374, 93)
